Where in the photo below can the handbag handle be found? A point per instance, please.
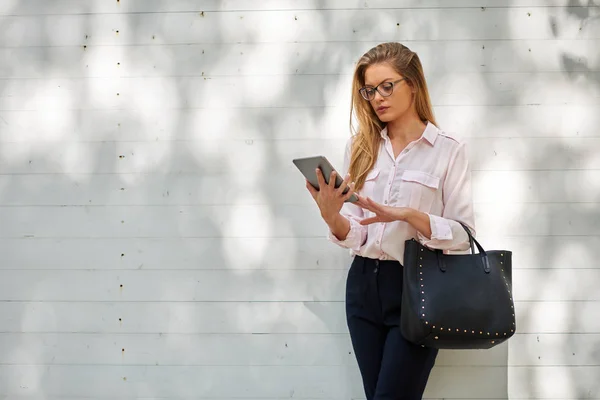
(471, 238)
(483, 254)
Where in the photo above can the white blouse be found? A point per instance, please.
(432, 175)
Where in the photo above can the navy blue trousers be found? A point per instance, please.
(391, 367)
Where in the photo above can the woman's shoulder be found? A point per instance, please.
(451, 141)
(450, 136)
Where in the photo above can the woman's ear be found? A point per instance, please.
(413, 89)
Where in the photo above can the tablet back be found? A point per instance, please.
(308, 165)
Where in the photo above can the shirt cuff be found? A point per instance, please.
(440, 229)
(354, 238)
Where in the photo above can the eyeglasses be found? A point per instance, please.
(384, 88)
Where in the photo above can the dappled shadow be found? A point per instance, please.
(154, 220)
(581, 69)
(554, 210)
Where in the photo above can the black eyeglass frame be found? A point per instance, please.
(363, 89)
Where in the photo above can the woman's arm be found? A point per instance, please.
(444, 232)
(339, 226)
(438, 232)
(345, 229)
(419, 220)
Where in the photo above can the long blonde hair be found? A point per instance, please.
(366, 140)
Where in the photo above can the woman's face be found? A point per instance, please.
(398, 102)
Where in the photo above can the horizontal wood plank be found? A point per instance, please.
(44, 397)
(159, 93)
(134, 397)
(66, 7)
(565, 252)
(174, 254)
(165, 317)
(251, 285)
(266, 382)
(553, 382)
(298, 25)
(553, 350)
(271, 350)
(264, 221)
(168, 221)
(246, 161)
(277, 382)
(556, 317)
(283, 123)
(194, 189)
(241, 59)
(205, 350)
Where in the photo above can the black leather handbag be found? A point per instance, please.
(460, 301)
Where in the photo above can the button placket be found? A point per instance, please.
(379, 240)
(388, 189)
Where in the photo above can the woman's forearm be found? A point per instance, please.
(339, 226)
(419, 220)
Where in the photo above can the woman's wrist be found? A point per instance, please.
(418, 220)
(333, 219)
(338, 225)
(405, 214)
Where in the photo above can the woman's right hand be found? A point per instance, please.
(329, 199)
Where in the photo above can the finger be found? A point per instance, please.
(332, 180)
(364, 203)
(350, 192)
(345, 183)
(361, 201)
(372, 220)
(374, 206)
(386, 213)
(358, 203)
(320, 179)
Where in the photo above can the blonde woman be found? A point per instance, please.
(413, 181)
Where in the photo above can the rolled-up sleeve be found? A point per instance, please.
(355, 238)
(446, 232)
(358, 233)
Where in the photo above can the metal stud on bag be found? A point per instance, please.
(458, 330)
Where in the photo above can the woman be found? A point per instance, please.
(413, 181)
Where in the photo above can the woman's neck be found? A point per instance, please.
(406, 128)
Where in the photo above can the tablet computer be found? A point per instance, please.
(308, 165)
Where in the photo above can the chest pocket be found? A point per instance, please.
(369, 185)
(415, 189)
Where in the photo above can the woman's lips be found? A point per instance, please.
(382, 109)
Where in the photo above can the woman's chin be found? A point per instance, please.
(385, 117)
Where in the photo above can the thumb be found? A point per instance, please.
(311, 189)
(372, 220)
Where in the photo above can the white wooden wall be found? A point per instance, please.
(157, 242)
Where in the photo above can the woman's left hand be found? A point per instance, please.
(382, 213)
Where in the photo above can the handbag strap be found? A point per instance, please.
(471, 238)
(484, 256)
